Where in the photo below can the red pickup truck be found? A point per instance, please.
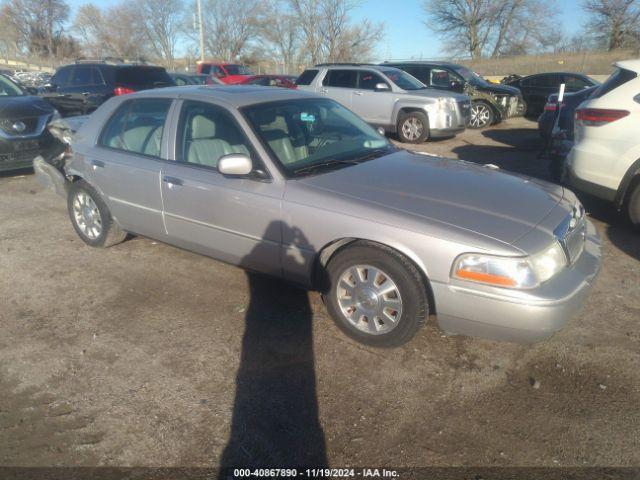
(227, 72)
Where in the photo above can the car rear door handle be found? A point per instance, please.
(172, 180)
(97, 163)
(324, 90)
(357, 93)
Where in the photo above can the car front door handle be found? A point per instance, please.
(97, 164)
(324, 90)
(172, 180)
(357, 93)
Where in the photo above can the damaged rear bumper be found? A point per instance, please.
(49, 176)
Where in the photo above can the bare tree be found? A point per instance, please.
(10, 39)
(329, 34)
(466, 25)
(617, 22)
(280, 31)
(230, 25)
(160, 21)
(103, 32)
(39, 23)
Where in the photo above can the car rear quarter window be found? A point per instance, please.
(617, 78)
(143, 76)
(341, 78)
(137, 126)
(307, 77)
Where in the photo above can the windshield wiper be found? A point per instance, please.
(376, 153)
(323, 165)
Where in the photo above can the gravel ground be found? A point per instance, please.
(146, 355)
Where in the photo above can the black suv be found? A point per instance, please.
(80, 88)
(490, 103)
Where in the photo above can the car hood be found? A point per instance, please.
(435, 93)
(498, 89)
(460, 194)
(23, 106)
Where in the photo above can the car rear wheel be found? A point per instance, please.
(413, 127)
(481, 115)
(376, 295)
(633, 205)
(91, 218)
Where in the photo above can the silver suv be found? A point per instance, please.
(389, 98)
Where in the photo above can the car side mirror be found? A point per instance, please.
(235, 164)
(457, 86)
(381, 87)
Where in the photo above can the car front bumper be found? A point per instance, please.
(520, 316)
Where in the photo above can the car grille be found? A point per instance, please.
(572, 232)
(464, 107)
(29, 127)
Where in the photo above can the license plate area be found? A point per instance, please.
(23, 145)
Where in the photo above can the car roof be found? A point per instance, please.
(556, 73)
(423, 62)
(346, 66)
(234, 95)
(633, 65)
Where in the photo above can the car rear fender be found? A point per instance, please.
(633, 172)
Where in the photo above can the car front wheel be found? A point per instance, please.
(91, 218)
(376, 295)
(481, 115)
(413, 127)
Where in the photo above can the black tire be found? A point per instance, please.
(633, 204)
(485, 112)
(110, 232)
(407, 279)
(418, 119)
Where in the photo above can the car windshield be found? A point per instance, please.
(311, 135)
(8, 88)
(403, 80)
(470, 76)
(237, 70)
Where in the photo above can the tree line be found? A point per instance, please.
(493, 28)
(292, 33)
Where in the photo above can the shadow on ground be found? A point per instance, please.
(275, 418)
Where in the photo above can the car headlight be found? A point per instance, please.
(55, 115)
(510, 272)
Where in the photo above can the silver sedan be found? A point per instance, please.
(296, 186)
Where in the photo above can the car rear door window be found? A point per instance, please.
(61, 77)
(368, 80)
(206, 133)
(137, 126)
(341, 78)
(307, 77)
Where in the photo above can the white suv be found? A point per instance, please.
(605, 158)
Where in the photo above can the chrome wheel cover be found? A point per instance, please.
(87, 215)
(412, 128)
(369, 299)
(480, 115)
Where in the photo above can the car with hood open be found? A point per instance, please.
(23, 121)
(294, 185)
(490, 103)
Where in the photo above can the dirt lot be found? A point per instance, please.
(146, 355)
